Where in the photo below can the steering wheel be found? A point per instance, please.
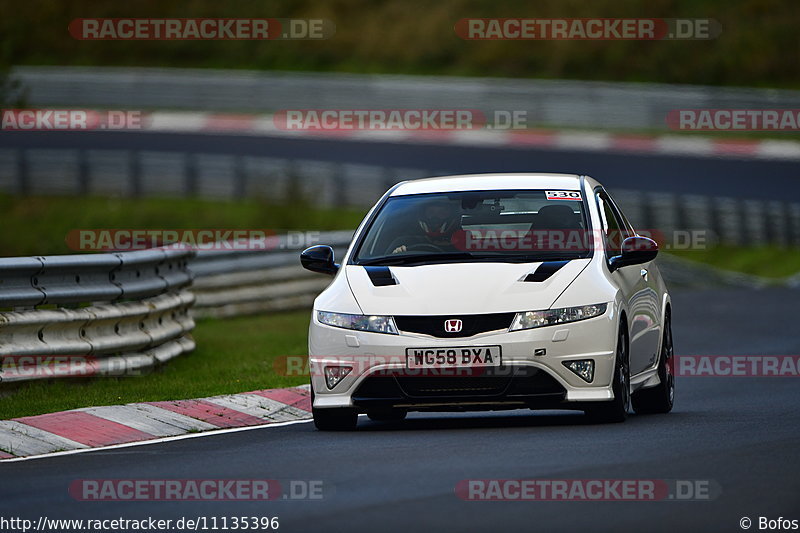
(423, 247)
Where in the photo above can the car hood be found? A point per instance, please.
(460, 288)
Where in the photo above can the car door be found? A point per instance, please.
(650, 300)
(636, 285)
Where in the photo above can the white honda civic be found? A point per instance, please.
(489, 292)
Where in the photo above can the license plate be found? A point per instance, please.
(453, 357)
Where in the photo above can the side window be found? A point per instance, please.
(626, 224)
(614, 229)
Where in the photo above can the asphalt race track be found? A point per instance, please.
(687, 174)
(740, 434)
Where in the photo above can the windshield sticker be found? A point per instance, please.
(563, 195)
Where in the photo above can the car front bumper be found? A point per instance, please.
(379, 377)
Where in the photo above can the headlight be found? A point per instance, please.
(377, 324)
(537, 319)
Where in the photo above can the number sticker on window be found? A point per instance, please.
(563, 195)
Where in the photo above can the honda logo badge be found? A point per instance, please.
(452, 325)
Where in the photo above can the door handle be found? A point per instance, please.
(643, 273)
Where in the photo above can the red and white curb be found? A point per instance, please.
(93, 427)
(687, 143)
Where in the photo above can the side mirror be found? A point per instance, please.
(319, 259)
(635, 251)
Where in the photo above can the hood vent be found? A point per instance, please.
(380, 276)
(545, 270)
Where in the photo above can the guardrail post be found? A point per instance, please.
(340, 192)
(744, 229)
(793, 224)
(771, 233)
(294, 184)
(648, 220)
(715, 219)
(22, 171)
(681, 212)
(239, 177)
(83, 172)
(190, 172)
(388, 178)
(785, 222)
(135, 173)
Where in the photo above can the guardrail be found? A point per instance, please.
(237, 282)
(552, 103)
(84, 315)
(325, 184)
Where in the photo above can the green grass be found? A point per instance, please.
(766, 261)
(41, 223)
(233, 355)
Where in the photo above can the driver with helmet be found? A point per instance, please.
(437, 220)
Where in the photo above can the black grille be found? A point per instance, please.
(422, 387)
(471, 324)
(506, 382)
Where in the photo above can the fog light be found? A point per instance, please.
(583, 368)
(335, 374)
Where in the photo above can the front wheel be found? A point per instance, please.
(617, 409)
(334, 419)
(659, 399)
(390, 415)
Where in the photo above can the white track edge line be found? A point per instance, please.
(158, 440)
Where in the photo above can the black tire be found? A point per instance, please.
(389, 415)
(616, 410)
(659, 399)
(334, 419)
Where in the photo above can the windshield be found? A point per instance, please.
(511, 226)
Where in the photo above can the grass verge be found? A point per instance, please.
(233, 355)
(765, 261)
(43, 222)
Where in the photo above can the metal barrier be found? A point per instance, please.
(238, 282)
(85, 315)
(554, 103)
(326, 184)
